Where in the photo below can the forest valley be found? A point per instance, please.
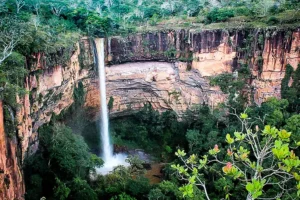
(237, 150)
(241, 151)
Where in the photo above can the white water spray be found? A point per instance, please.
(110, 160)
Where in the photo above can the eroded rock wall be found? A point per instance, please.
(11, 176)
(50, 90)
(187, 59)
(167, 86)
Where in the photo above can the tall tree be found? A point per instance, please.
(20, 4)
(10, 33)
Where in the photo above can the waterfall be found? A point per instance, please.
(107, 149)
(110, 160)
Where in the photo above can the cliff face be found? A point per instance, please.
(167, 86)
(11, 180)
(50, 91)
(186, 61)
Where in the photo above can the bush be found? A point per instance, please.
(242, 11)
(219, 15)
(154, 19)
(276, 9)
(272, 21)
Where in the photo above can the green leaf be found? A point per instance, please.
(255, 188)
(192, 159)
(243, 116)
(180, 153)
(284, 135)
(239, 136)
(270, 131)
(192, 179)
(195, 171)
(280, 150)
(187, 190)
(229, 139)
(202, 162)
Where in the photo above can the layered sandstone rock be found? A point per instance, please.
(280, 49)
(11, 176)
(52, 92)
(49, 93)
(167, 86)
(174, 85)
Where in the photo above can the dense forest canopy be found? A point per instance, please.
(236, 151)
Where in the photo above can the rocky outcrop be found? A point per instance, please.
(187, 59)
(51, 92)
(280, 49)
(11, 179)
(167, 86)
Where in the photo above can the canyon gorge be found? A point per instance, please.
(169, 69)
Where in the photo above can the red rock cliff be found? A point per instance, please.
(187, 59)
(49, 93)
(11, 179)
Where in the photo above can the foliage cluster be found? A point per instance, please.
(261, 161)
(62, 166)
(149, 130)
(291, 92)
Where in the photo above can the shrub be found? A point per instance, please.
(272, 21)
(242, 11)
(219, 15)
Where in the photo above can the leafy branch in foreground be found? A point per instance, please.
(259, 159)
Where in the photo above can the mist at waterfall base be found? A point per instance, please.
(110, 160)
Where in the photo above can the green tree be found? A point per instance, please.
(136, 165)
(193, 138)
(11, 31)
(274, 111)
(123, 196)
(156, 194)
(63, 163)
(61, 191)
(68, 152)
(80, 189)
(110, 103)
(258, 159)
(291, 93)
(220, 15)
(293, 125)
(139, 186)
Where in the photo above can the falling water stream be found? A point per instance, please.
(110, 160)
